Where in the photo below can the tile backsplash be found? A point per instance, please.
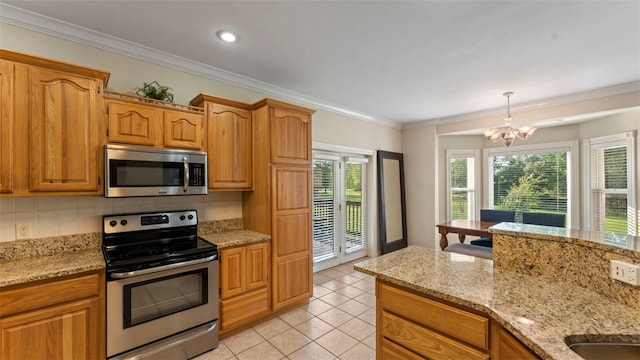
(67, 215)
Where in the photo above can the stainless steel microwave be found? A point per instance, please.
(135, 171)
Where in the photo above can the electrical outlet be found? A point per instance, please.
(23, 231)
(629, 273)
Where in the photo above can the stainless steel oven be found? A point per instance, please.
(136, 171)
(162, 286)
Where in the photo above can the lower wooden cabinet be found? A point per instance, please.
(411, 326)
(244, 290)
(56, 319)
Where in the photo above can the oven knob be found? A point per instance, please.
(123, 222)
(190, 217)
(182, 217)
(113, 223)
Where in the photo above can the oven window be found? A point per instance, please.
(156, 298)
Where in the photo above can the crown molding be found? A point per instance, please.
(54, 27)
(532, 105)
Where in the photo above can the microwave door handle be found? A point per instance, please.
(185, 163)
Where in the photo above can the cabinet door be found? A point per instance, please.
(511, 348)
(290, 136)
(6, 126)
(69, 331)
(232, 268)
(135, 124)
(183, 130)
(229, 144)
(291, 234)
(66, 112)
(257, 260)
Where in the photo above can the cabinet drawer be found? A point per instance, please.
(243, 309)
(49, 293)
(391, 351)
(468, 327)
(424, 341)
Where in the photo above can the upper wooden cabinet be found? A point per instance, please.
(130, 120)
(7, 130)
(65, 117)
(229, 143)
(290, 135)
(55, 147)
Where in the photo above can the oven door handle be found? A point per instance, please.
(124, 275)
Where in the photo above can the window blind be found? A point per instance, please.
(324, 203)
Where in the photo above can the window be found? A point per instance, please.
(461, 184)
(610, 197)
(531, 178)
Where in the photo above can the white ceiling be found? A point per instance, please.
(396, 62)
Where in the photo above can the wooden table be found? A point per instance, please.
(463, 228)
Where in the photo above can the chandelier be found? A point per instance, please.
(506, 133)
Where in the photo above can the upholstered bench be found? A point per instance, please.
(473, 250)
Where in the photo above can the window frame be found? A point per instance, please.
(474, 211)
(573, 183)
(616, 140)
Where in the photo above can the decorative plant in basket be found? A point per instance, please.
(155, 91)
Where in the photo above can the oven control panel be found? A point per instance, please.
(112, 224)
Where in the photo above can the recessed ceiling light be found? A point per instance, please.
(226, 36)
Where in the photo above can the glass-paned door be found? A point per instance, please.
(339, 209)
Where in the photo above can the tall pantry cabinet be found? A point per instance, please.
(280, 204)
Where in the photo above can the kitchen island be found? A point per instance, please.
(540, 313)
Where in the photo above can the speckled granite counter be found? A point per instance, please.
(235, 238)
(46, 258)
(540, 312)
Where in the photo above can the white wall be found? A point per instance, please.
(52, 215)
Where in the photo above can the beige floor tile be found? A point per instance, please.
(335, 317)
(353, 307)
(334, 285)
(312, 351)
(221, 352)
(320, 279)
(357, 329)
(289, 341)
(364, 284)
(316, 307)
(320, 291)
(334, 299)
(348, 279)
(262, 351)
(331, 273)
(367, 299)
(359, 352)
(271, 328)
(370, 341)
(314, 328)
(336, 342)
(350, 291)
(359, 275)
(242, 341)
(296, 316)
(369, 316)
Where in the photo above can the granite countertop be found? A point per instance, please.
(26, 269)
(233, 238)
(540, 312)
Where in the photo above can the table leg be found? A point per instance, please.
(443, 240)
(461, 237)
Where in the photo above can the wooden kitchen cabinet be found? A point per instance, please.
(7, 127)
(132, 121)
(280, 204)
(229, 143)
(62, 318)
(427, 328)
(508, 347)
(51, 125)
(244, 290)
